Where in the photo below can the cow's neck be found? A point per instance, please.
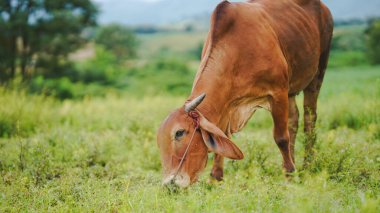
(218, 93)
(213, 107)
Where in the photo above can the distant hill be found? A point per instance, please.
(137, 12)
(349, 9)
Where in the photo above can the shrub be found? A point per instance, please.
(349, 39)
(103, 68)
(162, 76)
(347, 59)
(373, 43)
(119, 40)
(64, 88)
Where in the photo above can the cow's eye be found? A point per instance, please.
(179, 134)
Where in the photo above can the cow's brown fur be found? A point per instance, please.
(258, 54)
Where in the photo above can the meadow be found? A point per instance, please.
(85, 141)
(99, 154)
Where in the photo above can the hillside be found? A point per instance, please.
(136, 12)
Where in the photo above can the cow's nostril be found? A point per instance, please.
(172, 181)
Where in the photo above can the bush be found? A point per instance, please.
(348, 47)
(64, 88)
(347, 59)
(119, 40)
(349, 39)
(161, 77)
(374, 41)
(103, 68)
(92, 77)
(60, 87)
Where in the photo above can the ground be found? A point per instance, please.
(100, 154)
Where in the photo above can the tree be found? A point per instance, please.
(119, 40)
(37, 35)
(373, 42)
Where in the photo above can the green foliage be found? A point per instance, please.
(348, 47)
(101, 153)
(38, 35)
(103, 68)
(64, 88)
(349, 39)
(373, 43)
(348, 59)
(94, 77)
(103, 74)
(165, 76)
(118, 39)
(59, 87)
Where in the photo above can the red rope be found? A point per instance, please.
(195, 116)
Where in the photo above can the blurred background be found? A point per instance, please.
(70, 49)
(84, 86)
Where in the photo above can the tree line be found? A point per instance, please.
(37, 36)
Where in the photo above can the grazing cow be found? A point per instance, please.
(258, 54)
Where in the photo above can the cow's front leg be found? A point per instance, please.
(279, 107)
(217, 168)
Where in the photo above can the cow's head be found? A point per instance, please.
(178, 132)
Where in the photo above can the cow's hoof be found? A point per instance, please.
(217, 174)
(291, 175)
(214, 181)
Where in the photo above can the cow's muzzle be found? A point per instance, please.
(179, 181)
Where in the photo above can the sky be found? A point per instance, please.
(138, 12)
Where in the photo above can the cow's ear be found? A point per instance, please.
(217, 141)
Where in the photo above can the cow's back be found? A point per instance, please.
(303, 28)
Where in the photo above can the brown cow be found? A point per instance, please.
(258, 54)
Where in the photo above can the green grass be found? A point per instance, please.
(100, 154)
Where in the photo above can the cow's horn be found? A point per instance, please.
(194, 103)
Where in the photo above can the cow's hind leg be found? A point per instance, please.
(217, 168)
(279, 108)
(311, 93)
(293, 124)
(310, 117)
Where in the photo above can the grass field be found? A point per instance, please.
(172, 44)
(100, 155)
